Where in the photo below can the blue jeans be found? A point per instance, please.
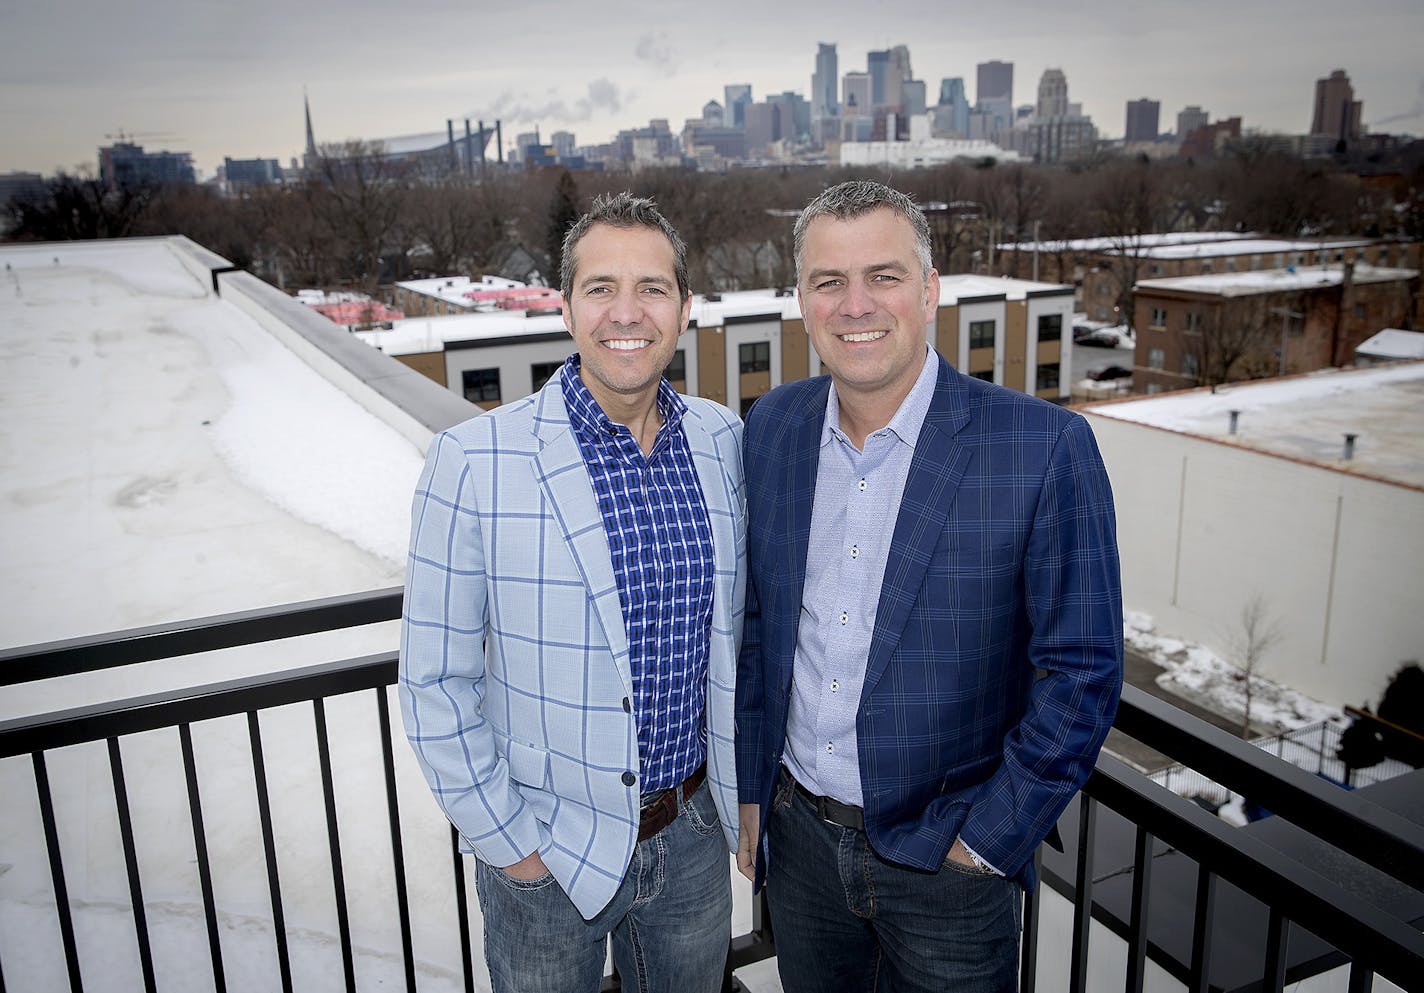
(671, 919)
(847, 920)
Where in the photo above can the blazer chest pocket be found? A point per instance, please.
(527, 764)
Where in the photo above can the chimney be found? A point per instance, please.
(1350, 446)
(1235, 414)
(450, 140)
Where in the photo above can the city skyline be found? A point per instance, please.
(72, 75)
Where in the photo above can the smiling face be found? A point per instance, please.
(624, 313)
(866, 303)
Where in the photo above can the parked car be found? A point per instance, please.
(1101, 338)
(1104, 373)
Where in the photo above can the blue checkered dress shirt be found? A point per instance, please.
(660, 541)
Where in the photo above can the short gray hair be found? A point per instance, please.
(857, 198)
(623, 210)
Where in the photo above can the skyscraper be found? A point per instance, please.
(878, 68)
(855, 94)
(738, 95)
(896, 76)
(954, 106)
(1189, 119)
(1337, 112)
(1142, 119)
(994, 93)
(823, 83)
(1052, 94)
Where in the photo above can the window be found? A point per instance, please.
(1194, 320)
(1050, 327)
(755, 356)
(1048, 376)
(1361, 310)
(1230, 265)
(481, 385)
(540, 372)
(1156, 269)
(676, 371)
(1159, 317)
(1207, 267)
(985, 374)
(981, 334)
(1191, 365)
(747, 405)
(1154, 388)
(1156, 358)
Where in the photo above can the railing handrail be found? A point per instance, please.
(30, 663)
(1344, 818)
(1391, 947)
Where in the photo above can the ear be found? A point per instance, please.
(686, 314)
(931, 295)
(568, 313)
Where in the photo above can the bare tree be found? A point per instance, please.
(1255, 634)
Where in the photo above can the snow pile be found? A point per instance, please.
(1199, 674)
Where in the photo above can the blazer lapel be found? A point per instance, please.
(798, 484)
(560, 472)
(938, 466)
(717, 493)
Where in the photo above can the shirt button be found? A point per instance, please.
(835, 685)
(855, 551)
(627, 705)
(862, 486)
(845, 618)
(830, 748)
(629, 779)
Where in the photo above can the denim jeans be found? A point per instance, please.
(670, 921)
(847, 920)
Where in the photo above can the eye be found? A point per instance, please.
(885, 277)
(827, 284)
(655, 290)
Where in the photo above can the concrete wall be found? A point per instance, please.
(1204, 525)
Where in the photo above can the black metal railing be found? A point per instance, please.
(1129, 838)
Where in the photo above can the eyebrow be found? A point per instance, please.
(640, 281)
(815, 274)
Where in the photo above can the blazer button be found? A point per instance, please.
(629, 779)
(627, 705)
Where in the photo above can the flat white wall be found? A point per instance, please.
(1204, 525)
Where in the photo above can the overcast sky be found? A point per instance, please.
(226, 78)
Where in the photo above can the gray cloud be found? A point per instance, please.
(658, 52)
(1413, 113)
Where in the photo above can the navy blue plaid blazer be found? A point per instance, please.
(995, 663)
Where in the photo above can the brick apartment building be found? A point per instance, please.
(1230, 326)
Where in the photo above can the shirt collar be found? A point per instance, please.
(908, 419)
(587, 417)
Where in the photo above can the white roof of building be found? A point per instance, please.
(1244, 246)
(417, 335)
(1135, 242)
(1305, 417)
(1392, 343)
(452, 289)
(167, 457)
(1241, 284)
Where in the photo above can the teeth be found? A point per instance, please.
(626, 344)
(864, 336)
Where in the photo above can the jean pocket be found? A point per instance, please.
(968, 870)
(701, 812)
(785, 786)
(520, 885)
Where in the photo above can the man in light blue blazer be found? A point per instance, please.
(572, 614)
(933, 647)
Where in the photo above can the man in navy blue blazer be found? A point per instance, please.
(932, 650)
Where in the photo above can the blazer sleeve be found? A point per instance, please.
(442, 664)
(1073, 602)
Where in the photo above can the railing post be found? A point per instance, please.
(1083, 904)
(1137, 927)
(126, 836)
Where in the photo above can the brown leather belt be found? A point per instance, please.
(660, 808)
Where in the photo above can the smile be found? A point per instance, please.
(864, 336)
(626, 344)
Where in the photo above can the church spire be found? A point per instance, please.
(311, 138)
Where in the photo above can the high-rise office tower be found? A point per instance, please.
(1052, 94)
(912, 96)
(954, 105)
(1142, 119)
(1337, 112)
(855, 94)
(738, 95)
(1189, 119)
(897, 75)
(823, 83)
(994, 93)
(878, 68)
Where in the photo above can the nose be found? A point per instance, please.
(857, 301)
(626, 309)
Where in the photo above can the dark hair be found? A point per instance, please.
(623, 210)
(856, 199)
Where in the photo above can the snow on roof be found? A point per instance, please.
(1123, 241)
(458, 289)
(1245, 246)
(952, 289)
(1241, 284)
(1392, 343)
(1305, 417)
(168, 458)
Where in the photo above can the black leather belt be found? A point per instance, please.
(660, 809)
(829, 810)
